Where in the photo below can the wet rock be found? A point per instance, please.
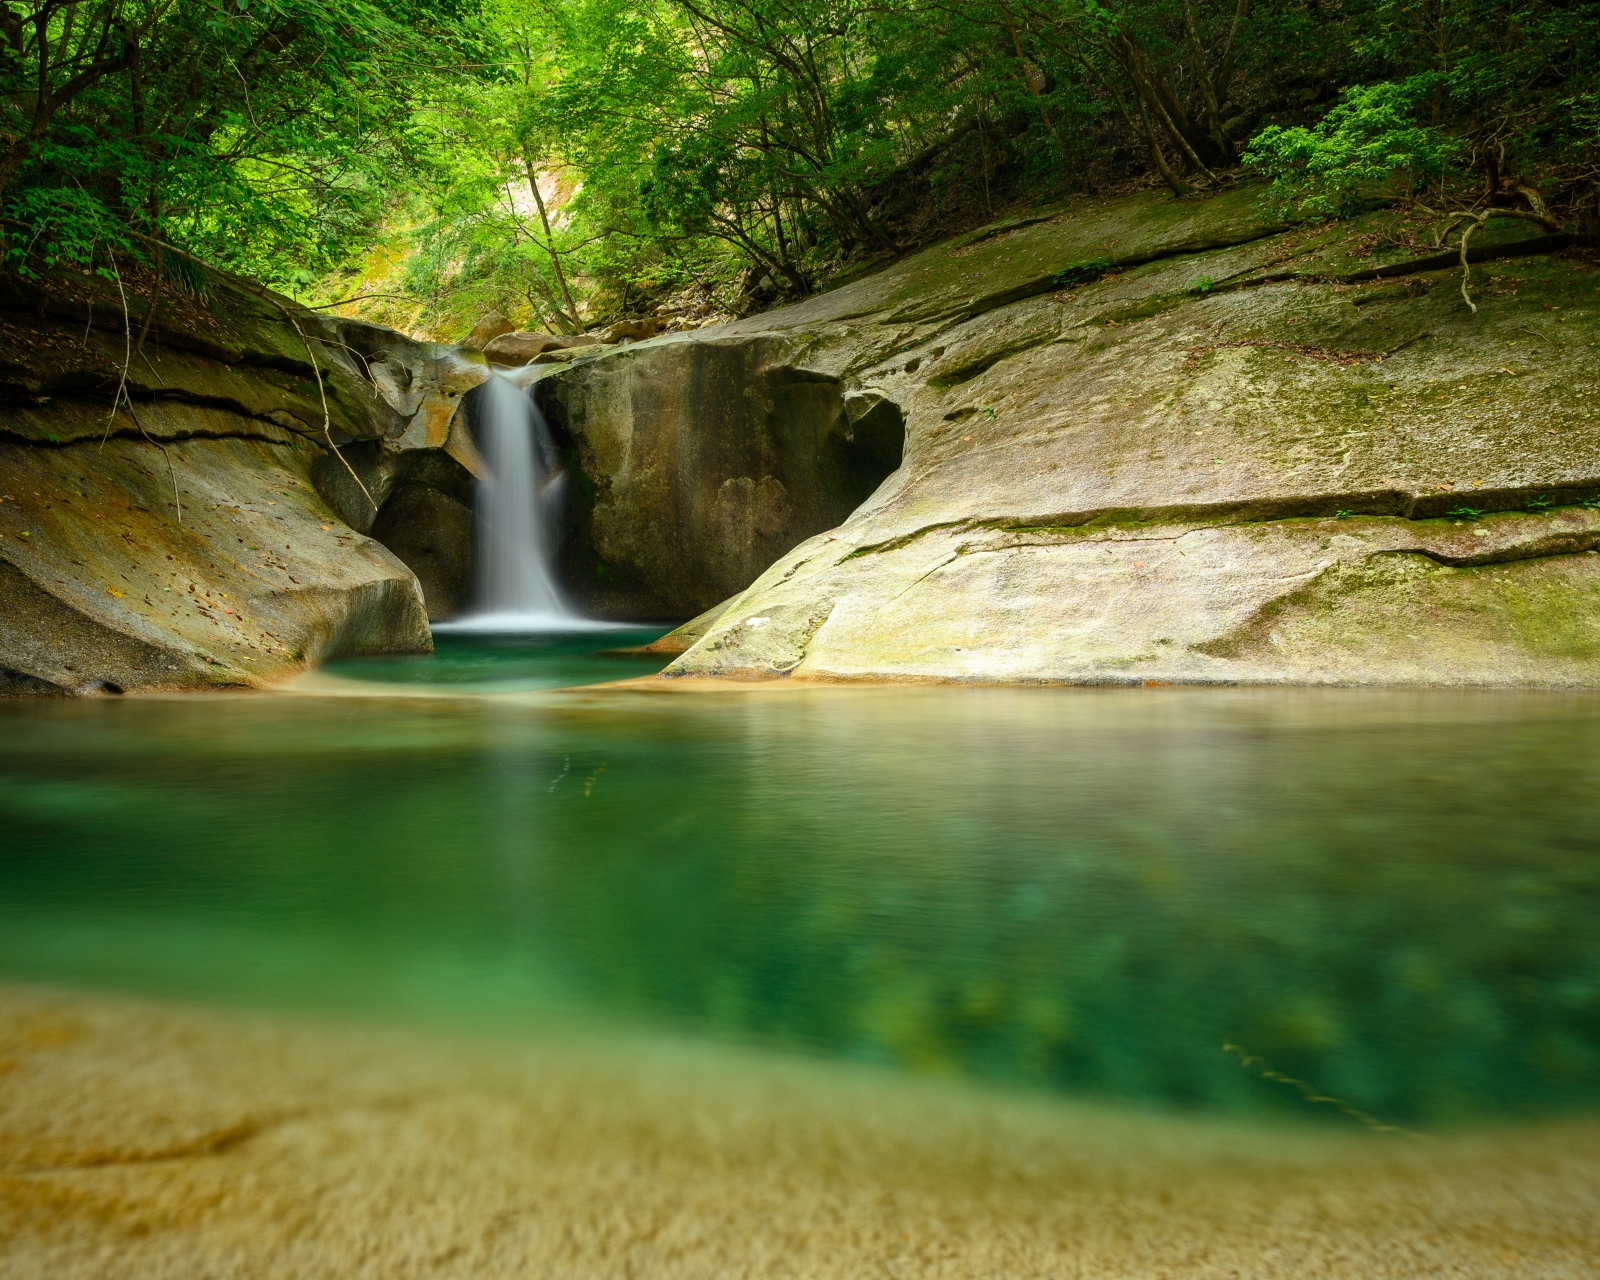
(682, 639)
(432, 534)
(704, 461)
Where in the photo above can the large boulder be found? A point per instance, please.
(511, 350)
(487, 330)
(704, 461)
(213, 531)
(1147, 440)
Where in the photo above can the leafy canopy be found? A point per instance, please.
(566, 161)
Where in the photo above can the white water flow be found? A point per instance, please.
(518, 508)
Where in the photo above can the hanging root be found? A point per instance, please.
(322, 391)
(1466, 267)
(127, 359)
(255, 288)
(1471, 222)
(122, 397)
(172, 473)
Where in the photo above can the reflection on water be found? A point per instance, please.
(1393, 897)
(491, 663)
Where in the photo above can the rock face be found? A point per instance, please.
(487, 330)
(514, 349)
(426, 520)
(706, 461)
(209, 535)
(1145, 440)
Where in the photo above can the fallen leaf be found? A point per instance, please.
(114, 591)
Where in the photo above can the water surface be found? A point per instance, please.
(1387, 904)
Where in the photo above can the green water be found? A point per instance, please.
(509, 664)
(1393, 897)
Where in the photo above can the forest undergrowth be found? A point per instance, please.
(567, 163)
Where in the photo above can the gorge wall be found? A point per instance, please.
(1142, 439)
(1159, 440)
(698, 463)
(206, 534)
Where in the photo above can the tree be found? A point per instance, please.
(259, 133)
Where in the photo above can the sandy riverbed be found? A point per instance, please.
(141, 1139)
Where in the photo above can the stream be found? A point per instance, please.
(1357, 909)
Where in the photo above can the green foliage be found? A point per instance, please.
(751, 149)
(264, 135)
(1367, 149)
(737, 151)
(1485, 93)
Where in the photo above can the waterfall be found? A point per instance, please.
(518, 509)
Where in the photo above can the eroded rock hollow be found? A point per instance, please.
(699, 463)
(1151, 440)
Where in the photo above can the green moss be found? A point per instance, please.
(1407, 615)
(1096, 524)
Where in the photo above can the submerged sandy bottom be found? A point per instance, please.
(140, 1139)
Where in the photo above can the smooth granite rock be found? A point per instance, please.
(1146, 440)
(704, 461)
(207, 534)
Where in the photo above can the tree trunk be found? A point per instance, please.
(571, 317)
(1140, 74)
(1208, 90)
(1038, 98)
(1178, 185)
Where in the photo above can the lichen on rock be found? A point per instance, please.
(212, 531)
(1149, 440)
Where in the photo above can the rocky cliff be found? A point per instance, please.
(207, 533)
(1137, 440)
(1156, 440)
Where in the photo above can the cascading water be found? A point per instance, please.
(518, 508)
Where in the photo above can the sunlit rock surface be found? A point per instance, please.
(1158, 440)
(209, 536)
